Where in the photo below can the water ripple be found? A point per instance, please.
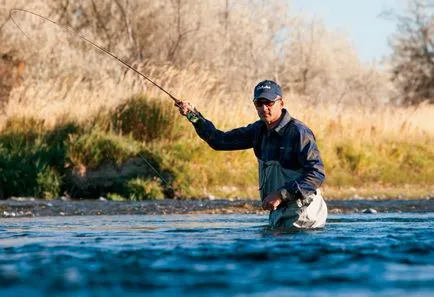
(217, 255)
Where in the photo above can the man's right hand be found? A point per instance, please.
(185, 107)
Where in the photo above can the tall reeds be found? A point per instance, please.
(212, 55)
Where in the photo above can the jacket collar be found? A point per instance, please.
(283, 122)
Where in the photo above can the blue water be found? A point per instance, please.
(216, 255)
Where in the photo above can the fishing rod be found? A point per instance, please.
(71, 30)
(178, 103)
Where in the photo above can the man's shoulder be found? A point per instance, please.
(250, 129)
(256, 125)
(297, 126)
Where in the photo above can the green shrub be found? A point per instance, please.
(35, 161)
(146, 120)
(200, 171)
(115, 197)
(144, 189)
(32, 158)
(48, 183)
(392, 163)
(94, 148)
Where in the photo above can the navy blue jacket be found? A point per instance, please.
(292, 143)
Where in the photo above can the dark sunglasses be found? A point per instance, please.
(267, 103)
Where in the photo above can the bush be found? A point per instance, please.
(146, 120)
(115, 197)
(144, 189)
(32, 158)
(94, 148)
(48, 183)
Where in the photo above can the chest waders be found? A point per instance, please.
(308, 213)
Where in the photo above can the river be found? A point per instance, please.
(383, 254)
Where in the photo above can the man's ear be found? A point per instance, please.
(282, 103)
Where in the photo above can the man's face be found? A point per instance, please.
(269, 111)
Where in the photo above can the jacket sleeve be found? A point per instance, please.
(312, 167)
(236, 139)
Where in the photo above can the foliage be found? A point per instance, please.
(75, 111)
(115, 197)
(36, 161)
(144, 189)
(32, 159)
(96, 147)
(48, 183)
(355, 164)
(146, 120)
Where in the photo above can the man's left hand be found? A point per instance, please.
(272, 201)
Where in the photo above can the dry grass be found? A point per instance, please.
(215, 66)
(213, 59)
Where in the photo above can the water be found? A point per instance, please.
(216, 255)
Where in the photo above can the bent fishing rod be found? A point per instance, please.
(100, 48)
(69, 29)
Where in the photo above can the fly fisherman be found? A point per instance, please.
(290, 166)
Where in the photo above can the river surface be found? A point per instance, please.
(216, 255)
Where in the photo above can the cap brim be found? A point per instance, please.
(266, 95)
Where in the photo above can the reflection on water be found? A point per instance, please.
(216, 255)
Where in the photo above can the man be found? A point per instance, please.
(290, 165)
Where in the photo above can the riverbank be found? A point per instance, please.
(30, 207)
(121, 153)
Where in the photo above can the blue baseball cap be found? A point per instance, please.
(267, 89)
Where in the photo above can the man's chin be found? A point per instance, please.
(266, 119)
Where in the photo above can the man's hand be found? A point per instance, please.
(272, 201)
(185, 107)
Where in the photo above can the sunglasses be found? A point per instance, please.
(267, 103)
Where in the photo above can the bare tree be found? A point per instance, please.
(126, 14)
(181, 32)
(234, 42)
(413, 54)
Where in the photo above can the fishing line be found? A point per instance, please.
(104, 51)
(71, 30)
